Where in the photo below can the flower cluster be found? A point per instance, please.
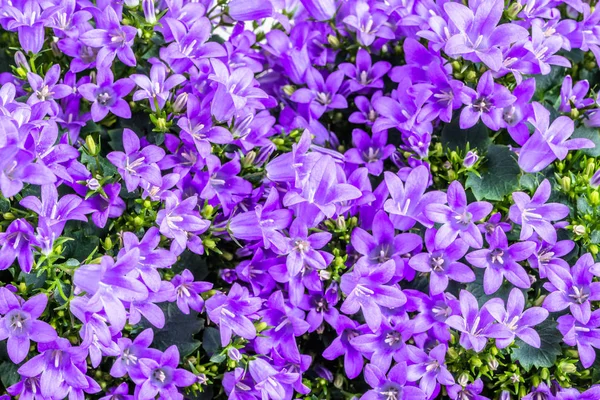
(327, 199)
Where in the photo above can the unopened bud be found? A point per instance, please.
(93, 184)
(248, 159)
(565, 182)
(470, 159)
(91, 145)
(21, 61)
(289, 90)
(595, 181)
(579, 230)
(234, 354)
(149, 11)
(333, 41)
(132, 3)
(513, 10)
(180, 103)
(338, 382)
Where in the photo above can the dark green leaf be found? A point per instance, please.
(218, 358)
(8, 373)
(476, 289)
(583, 206)
(179, 330)
(595, 237)
(501, 176)
(545, 356)
(454, 138)
(4, 205)
(589, 133)
(193, 262)
(211, 340)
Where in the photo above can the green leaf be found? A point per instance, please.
(529, 182)
(4, 205)
(195, 263)
(583, 206)
(179, 330)
(589, 133)
(595, 237)
(8, 373)
(454, 138)
(211, 340)
(500, 178)
(545, 356)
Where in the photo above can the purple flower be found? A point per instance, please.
(107, 96)
(110, 283)
(106, 204)
(518, 322)
(433, 310)
(489, 227)
(60, 368)
(549, 256)
(250, 10)
(383, 246)
(428, 369)
(156, 88)
(135, 164)
(370, 151)
(408, 200)
(271, 383)
(458, 218)
(487, 103)
(17, 243)
(480, 38)
(188, 292)
(368, 25)
(475, 325)
(391, 387)
(366, 114)
(180, 221)
(112, 39)
(321, 10)
(321, 307)
(364, 74)
(501, 261)
(304, 249)
(20, 323)
(574, 96)
(470, 391)
(47, 89)
(120, 392)
(321, 94)
(516, 114)
(367, 290)
(131, 351)
(346, 330)
(442, 263)
(534, 215)
(232, 311)
(161, 376)
(17, 166)
(549, 142)
(583, 334)
(54, 210)
(573, 288)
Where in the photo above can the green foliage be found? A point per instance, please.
(501, 176)
(545, 356)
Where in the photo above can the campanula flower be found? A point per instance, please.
(106, 95)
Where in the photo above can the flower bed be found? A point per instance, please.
(313, 199)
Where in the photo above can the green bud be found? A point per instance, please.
(565, 182)
(147, 204)
(338, 382)
(231, 364)
(567, 368)
(471, 76)
(209, 243)
(91, 145)
(8, 216)
(590, 65)
(455, 66)
(333, 41)
(278, 142)
(207, 211)
(535, 380)
(595, 198)
(261, 326)
(289, 90)
(138, 221)
(522, 392)
(572, 353)
(341, 223)
(513, 10)
(458, 75)
(248, 159)
(475, 362)
(161, 124)
(545, 374)
(108, 244)
(574, 113)
(214, 368)
(593, 249)
(22, 287)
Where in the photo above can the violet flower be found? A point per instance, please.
(188, 292)
(428, 369)
(17, 243)
(107, 96)
(135, 164)
(458, 218)
(533, 214)
(487, 103)
(131, 351)
(47, 89)
(365, 74)
(573, 96)
(518, 320)
(161, 376)
(480, 38)
(475, 325)
(106, 204)
(501, 261)
(442, 264)
(156, 88)
(367, 290)
(271, 383)
(573, 289)
(368, 25)
(20, 323)
(17, 166)
(583, 334)
(516, 114)
(408, 200)
(369, 151)
(470, 391)
(346, 330)
(112, 39)
(304, 248)
(392, 386)
(321, 94)
(549, 141)
(232, 311)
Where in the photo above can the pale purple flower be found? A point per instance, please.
(188, 292)
(106, 95)
(428, 369)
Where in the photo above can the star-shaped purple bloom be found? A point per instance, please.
(533, 214)
(458, 218)
(518, 322)
(501, 261)
(188, 292)
(391, 387)
(370, 151)
(157, 87)
(20, 323)
(365, 74)
(583, 334)
(429, 369)
(17, 243)
(321, 94)
(47, 89)
(106, 95)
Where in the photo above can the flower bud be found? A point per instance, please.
(261, 326)
(93, 184)
(595, 181)
(149, 11)
(91, 146)
(513, 10)
(21, 61)
(565, 182)
(338, 382)
(132, 3)
(333, 41)
(579, 230)
(248, 159)
(180, 103)
(463, 380)
(595, 198)
(505, 395)
(289, 90)
(470, 159)
(493, 364)
(234, 354)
